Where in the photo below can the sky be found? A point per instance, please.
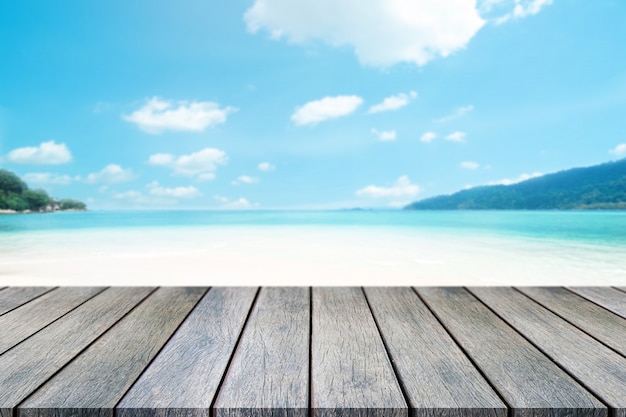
(314, 104)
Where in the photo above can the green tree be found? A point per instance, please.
(9, 182)
(36, 199)
(69, 204)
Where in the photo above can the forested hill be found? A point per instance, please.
(16, 197)
(596, 187)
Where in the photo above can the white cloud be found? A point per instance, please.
(245, 179)
(469, 165)
(178, 192)
(460, 112)
(110, 174)
(158, 115)
(385, 136)
(393, 103)
(401, 188)
(128, 195)
(201, 164)
(47, 153)
(428, 137)
(382, 32)
(240, 203)
(46, 178)
(619, 149)
(326, 108)
(266, 167)
(522, 177)
(456, 137)
(523, 8)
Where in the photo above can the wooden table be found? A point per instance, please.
(299, 351)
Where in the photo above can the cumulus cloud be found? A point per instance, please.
(522, 177)
(159, 115)
(46, 178)
(240, 203)
(382, 32)
(110, 174)
(456, 137)
(47, 153)
(428, 137)
(385, 136)
(522, 8)
(619, 149)
(128, 195)
(469, 165)
(401, 188)
(201, 164)
(326, 108)
(245, 179)
(158, 190)
(460, 112)
(266, 167)
(393, 103)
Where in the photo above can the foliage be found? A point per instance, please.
(15, 195)
(9, 182)
(69, 204)
(597, 187)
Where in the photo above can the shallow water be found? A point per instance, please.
(314, 248)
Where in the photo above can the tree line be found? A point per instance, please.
(15, 195)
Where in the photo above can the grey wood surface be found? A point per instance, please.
(422, 351)
(29, 364)
(184, 377)
(593, 319)
(528, 381)
(103, 373)
(269, 373)
(26, 320)
(351, 374)
(14, 297)
(598, 367)
(609, 298)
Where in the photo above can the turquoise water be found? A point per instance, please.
(596, 227)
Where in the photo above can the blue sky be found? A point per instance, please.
(310, 104)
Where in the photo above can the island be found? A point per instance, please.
(598, 187)
(16, 197)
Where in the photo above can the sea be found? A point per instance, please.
(342, 247)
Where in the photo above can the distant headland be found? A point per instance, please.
(598, 187)
(16, 197)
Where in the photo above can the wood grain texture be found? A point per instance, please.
(598, 367)
(422, 350)
(351, 374)
(28, 319)
(14, 297)
(28, 365)
(269, 373)
(610, 298)
(102, 374)
(593, 319)
(529, 382)
(184, 377)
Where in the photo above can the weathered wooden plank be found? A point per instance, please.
(184, 377)
(351, 374)
(29, 364)
(422, 350)
(593, 319)
(609, 298)
(102, 374)
(14, 297)
(596, 366)
(28, 319)
(269, 373)
(528, 381)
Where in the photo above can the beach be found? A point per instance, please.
(302, 253)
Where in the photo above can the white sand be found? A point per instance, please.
(299, 256)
